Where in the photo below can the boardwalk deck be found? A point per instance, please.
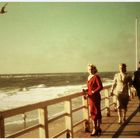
(111, 129)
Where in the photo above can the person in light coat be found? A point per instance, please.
(121, 85)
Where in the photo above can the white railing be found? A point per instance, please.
(43, 119)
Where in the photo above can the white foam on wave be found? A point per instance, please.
(20, 121)
(38, 93)
(41, 86)
(108, 82)
(2, 95)
(34, 95)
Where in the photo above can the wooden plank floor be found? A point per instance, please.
(111, 129)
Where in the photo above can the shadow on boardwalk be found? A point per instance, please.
(122, 127)
(111, 129)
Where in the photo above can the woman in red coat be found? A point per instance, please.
(94, 86)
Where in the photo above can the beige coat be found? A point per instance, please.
(121, 84)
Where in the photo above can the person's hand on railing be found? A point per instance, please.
(85, 93)
(83, 90)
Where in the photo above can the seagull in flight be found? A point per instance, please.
(2, 11)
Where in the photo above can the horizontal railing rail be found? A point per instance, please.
(44, 120)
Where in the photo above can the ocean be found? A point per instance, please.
(22, 89)
(29, 88)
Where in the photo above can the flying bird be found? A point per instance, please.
(3, 9)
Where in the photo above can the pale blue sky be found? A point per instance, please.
(42, 37)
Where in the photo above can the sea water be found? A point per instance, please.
(18, 90)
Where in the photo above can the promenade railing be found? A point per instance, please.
(44, 120)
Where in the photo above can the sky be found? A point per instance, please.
(55, 37)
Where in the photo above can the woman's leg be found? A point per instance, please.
(99, 124)
(93, 112)
(119, 115)
(124, 115)
(125, 104)
(94, 122)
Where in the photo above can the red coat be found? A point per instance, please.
(95, 84)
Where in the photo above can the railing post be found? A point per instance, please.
(2, 129)
(86, 114)
(107, 102)
(68, 118)
(43, 120)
